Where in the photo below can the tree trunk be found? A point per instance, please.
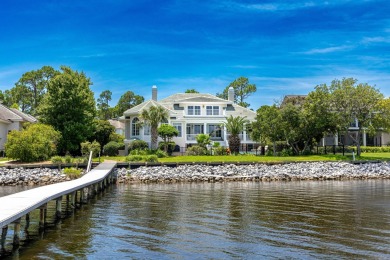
(358, 149)
(274, 147)
(154, 138)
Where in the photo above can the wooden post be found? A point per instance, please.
(59, 207)
(27, 221)
(73, 200)
(42, 216)
(16, 241)
(81, 196)
(4, 231)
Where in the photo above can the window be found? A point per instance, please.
(193, 110)
(214, 131)
(146, 129)
(178, 127)
(212, 110)
(135, 127)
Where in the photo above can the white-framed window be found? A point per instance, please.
(179, 128)
(146, 129)
(212, 110)
(135, 126)
(214, 131)
(193, 110)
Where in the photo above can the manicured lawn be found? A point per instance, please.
(240, 158)
(375, 156)
(252, 158)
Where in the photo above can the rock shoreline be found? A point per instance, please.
(256, 172)
(30, 177)
(205, 173)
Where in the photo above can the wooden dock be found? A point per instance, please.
(15, 206)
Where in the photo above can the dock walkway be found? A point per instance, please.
(13, 207)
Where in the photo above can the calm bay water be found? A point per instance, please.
(328, 219)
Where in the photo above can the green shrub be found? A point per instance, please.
(38, 142)
(57, 160)
(219, 150)
(111, 148)
(203, 140)
(86, 147)
(68, 159)
(286, 152)
(161, 154)
(171, 147)
(371, 149)
(72, 172)
(134, 158)
(216, 144)
(196, 150)
(141, 152)
(151, 158)
(138, 145)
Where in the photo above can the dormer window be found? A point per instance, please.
(193, 110)
(212, 110)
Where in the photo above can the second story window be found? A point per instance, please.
(193, 110)
(212, 110)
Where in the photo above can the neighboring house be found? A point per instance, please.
(191, 114)
(380, 139)
(11, 119)
(119, 126)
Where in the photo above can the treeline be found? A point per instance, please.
(301, 121)
(63, 101)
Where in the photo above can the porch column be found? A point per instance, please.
(336, 139)
(205, 128)
(364, 138)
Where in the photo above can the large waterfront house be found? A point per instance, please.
(191, 114)
(381, 138)
(11, 119)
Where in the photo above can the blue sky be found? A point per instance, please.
(284, 47)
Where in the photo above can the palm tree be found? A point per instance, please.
(235, 125)
(154, 116)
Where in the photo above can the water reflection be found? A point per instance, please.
(348, 219)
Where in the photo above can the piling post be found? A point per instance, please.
(16, 240)
(42, 216)
(27, 221)
(58, 207)
(73, 199)
(4, 231)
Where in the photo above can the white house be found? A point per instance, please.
(119, 126)
(191, 114)
(11, 119)
(381, 138)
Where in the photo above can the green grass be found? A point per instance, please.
(375, 156)
(260, 159)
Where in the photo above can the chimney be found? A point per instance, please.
(154, 93)
(231, 94)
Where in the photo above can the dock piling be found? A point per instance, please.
(4, 231)
(16, 240)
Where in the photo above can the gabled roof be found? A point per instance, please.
(7, 115)
(145, 105)
(26, 117)
(117, 124)
(193, 97)
(169, 102)
(10, 115)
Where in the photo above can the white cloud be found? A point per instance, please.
(329, 50)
